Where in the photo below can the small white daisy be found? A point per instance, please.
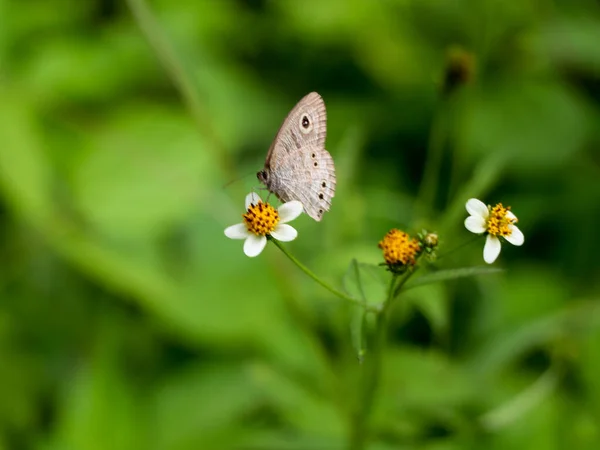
(496, 222)
(262, 220)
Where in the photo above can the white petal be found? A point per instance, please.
(516, 236)
(237, 231)
(475, 224)
(289, 211)
(251, 199)
(491, 249)
(254, 245)
(477, 208)
(284, 232)
(510, 215)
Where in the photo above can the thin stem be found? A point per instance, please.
(458, 247)
(311, 274)
(433, 163)
(397, 289)
(177, 72)
(359, 432)
(372, 375)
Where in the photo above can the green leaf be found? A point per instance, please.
(502, 349)
(589, 366)
(139, 180)
(101, 409)
(367, 282)
(307, 410)
(519, 405)
(539, 428)
(497, 122)
(24, 177)
(199, 406)
(571, 42)
(122, 271)
(510, 300)
(450, 274)
(18, 382)
(352, 282)
(280, 440)
(424, 379)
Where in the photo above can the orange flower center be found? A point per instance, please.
(261, 218)
(399, 249)
(498, 222)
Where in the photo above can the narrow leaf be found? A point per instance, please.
(358, 323)
(24, 178)
(450, 274)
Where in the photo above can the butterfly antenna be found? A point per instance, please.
(235, 180)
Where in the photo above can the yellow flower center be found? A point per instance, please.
(399, 248)
(261, 218)
(498, 222)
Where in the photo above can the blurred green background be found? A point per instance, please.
(129, 135)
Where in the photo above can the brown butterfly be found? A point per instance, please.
(297, 166)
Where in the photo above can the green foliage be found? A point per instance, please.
(129, 135)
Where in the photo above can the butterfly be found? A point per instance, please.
(297, 166)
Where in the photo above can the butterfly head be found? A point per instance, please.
(263, 177)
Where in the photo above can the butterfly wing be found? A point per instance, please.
(307, 176)
(297, 164)
(305, 125)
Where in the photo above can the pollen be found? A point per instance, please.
(261, 218)
(399, 249)
(498, 222)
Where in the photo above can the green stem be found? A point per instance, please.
(326, 285)
(397, 289)
(372, 375)
(435, 152)
(178, 74)
(359, 432)
(458, 247)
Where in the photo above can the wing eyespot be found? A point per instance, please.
(306, 125)
(321, 196)
(316, 164)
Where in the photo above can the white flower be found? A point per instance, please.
(262, 220)
(496, 222)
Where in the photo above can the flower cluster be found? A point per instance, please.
(400, 252)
